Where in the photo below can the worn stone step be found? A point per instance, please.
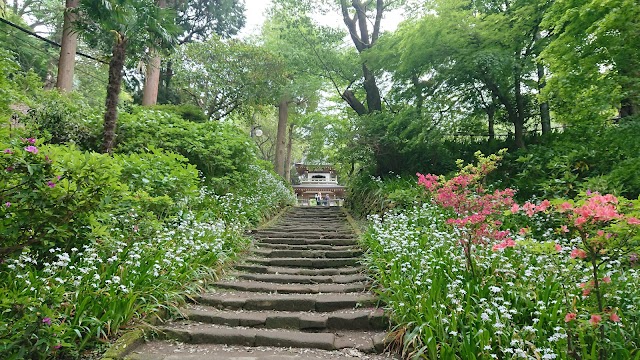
(285, 302)
(264, 269)
(317, 254)
(302, 279)
(359, 319)
(197, 333)
(171, 350)
(267, 287)
(308, 241)
(306, 262)
(305, 234)
(263, 245)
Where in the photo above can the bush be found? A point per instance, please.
(374, 195)
(562, 164)
(160, 174)
(186, 111)
(216, 149)
(65, 119)
(50, 194)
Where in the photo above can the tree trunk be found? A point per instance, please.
(545, 116)
(374, 102)
(113, 93)
(69, 43)
(519, 118)
(491, 114)
(283, 119)
(152, 77)
(287, 159)
(151, 80)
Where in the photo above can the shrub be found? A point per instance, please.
(50, 194)
(216, 149)
(65, 119)
(186, 111)
(160, 174)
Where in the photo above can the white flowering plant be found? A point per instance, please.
(141, 247)
(535, 290)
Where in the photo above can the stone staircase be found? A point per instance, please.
(301, 294)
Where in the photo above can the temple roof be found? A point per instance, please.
(305, 168)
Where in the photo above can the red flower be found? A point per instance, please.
(578, 253)
(569, 317)
(614, 317)
(595, 319)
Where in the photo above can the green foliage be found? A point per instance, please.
(580, 157)
(30, 53)
(160, 174)
(65, 118)
(594, 56)
(50, 194)
(372, 195)
(216, 149)
(186, 111)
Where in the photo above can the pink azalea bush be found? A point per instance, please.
(471, 273)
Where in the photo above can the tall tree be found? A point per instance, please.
(198, 21)
(122, 26)
(69, 43)
(152, 76)
(594, 58)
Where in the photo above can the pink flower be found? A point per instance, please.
(7, 204)
(543, 206)
(31, 149)
(558, 247)
(580, 220)
(564, 229)
(595, 319)
(8, 151)
(46, 321)
(606, 280)
(523, 231)
(51, 184)
(569, 317)
(578, 253)
(565, 206)
(9, 169)
(515, 208)
(633, 221)
(429, 181)
(58, 346)
(614, 317)
(29, 140)
(504, 244)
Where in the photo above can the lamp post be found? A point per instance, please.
(255, 131)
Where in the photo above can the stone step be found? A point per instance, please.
(262, 269)
(170, 350)
(307, 241)
(316, 254)
(285, 302)
(306, 234)
(303, 279)
(307, 262)
(360, 319)
(268, 287)
(263, 245)
(197, 333)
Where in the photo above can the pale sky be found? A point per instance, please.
(255, 12)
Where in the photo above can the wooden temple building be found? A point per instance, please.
(318, 179)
